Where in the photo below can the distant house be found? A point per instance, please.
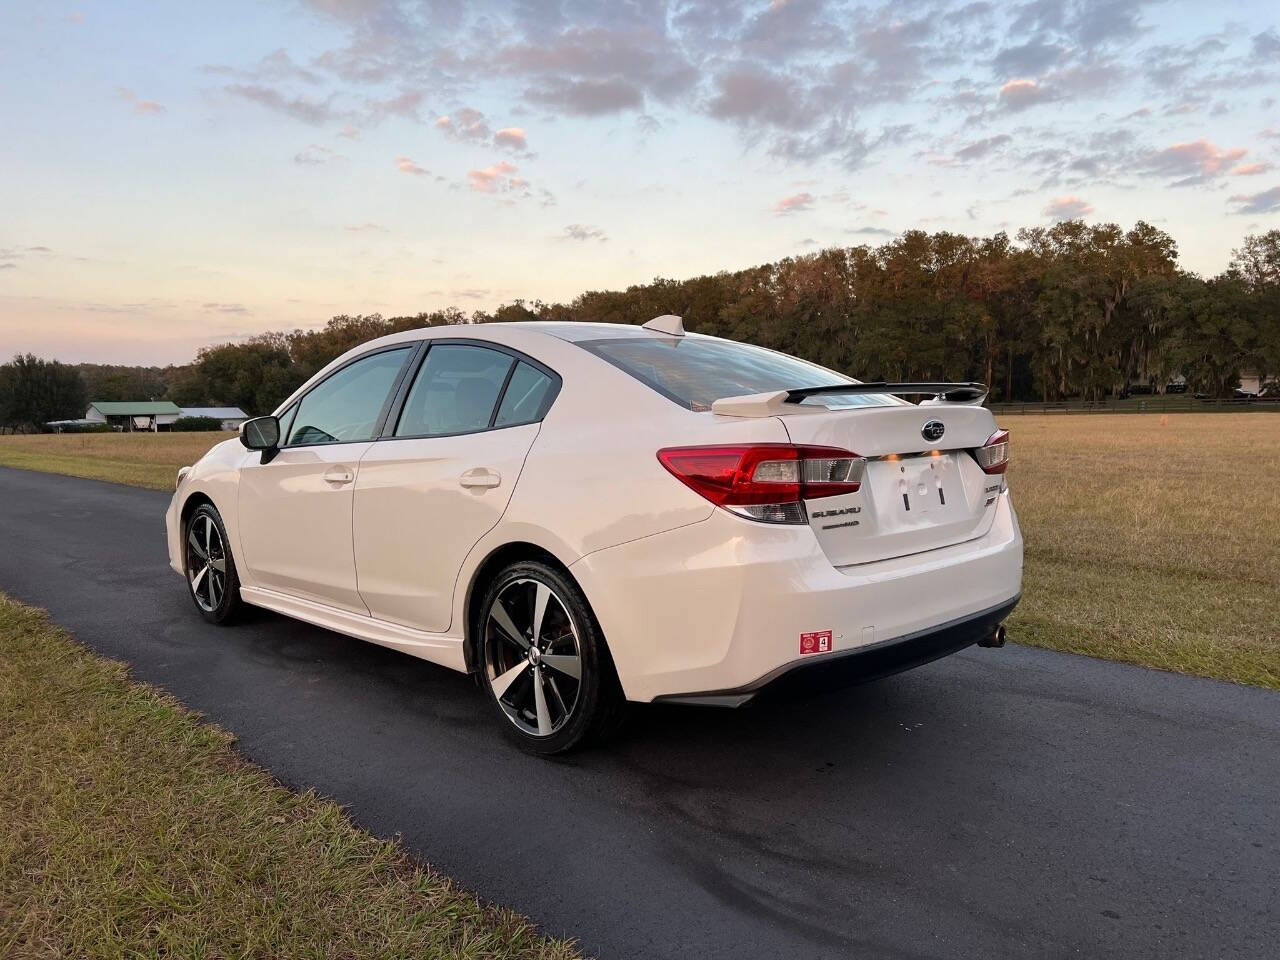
(130, 415)
(231, 417)
(1250, 382)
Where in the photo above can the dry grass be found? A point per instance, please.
(139, 459)
(1152, 539)
(131, 829)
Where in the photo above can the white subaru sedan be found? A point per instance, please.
(588, 514)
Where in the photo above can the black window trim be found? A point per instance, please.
(415, 349)
(388, 426)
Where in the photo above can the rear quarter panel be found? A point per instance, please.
(592, 478)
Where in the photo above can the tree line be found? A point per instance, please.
(1068, 311)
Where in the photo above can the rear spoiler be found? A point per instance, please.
(788, 401)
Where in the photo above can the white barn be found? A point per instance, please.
(231, 417)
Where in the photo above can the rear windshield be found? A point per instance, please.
(696, 371)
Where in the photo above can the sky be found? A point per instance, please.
(175, 175)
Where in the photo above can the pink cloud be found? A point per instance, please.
(406, 165)
(512, 137)
(793, 204)
(1068, 208)
(1194, 161)
(1250, 169)
(496, 177)
(1020, 94)
(465, 124)
(140, 105)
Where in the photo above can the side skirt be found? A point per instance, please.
(437, 647)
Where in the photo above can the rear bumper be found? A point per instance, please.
(862, 663)
(718, 608)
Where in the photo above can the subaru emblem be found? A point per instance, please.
(933, 430)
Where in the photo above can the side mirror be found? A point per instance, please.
(260, 433)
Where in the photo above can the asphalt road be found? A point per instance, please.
(999, 803)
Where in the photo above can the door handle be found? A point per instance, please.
(481, 477)
(338, 475)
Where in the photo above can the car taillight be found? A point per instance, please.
(765, 481)
(993, 456)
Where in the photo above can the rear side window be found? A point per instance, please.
(527, 397)
(456, 390)
(347, 406)
(696, 371)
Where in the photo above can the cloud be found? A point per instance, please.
(366, 228)
(793, 204)
(871, 232)
(786, 28)
(751, 95)
(225, 307)
(1268, 201)
(305, 109)
(581, 231)
(141, 106)
(9, 256)
(406, 104)
(316, 154)
(1028, 59)
(1020, 94)
(588, 98)
(466, 125)
(980, 148)
(1266, 44)
(496, 178)
(1194, 162)
(1068, 208)
(511, 137)
(594, 68)
(802, 81)
(406, 165)
(320, 111)
(1250, 169)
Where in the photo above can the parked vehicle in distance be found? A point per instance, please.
(585, 514)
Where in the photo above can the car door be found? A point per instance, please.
(441, 476)
(295, 507)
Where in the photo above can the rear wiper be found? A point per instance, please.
(950, 392)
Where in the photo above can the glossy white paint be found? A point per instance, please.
(691, 598)
(420, 506)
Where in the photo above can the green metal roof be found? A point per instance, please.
(143, 408)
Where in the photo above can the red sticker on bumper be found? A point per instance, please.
(815, 642)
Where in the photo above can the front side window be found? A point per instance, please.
(346, 407)
(696, 371)
(455, 391)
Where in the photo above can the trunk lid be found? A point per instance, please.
(917, 494)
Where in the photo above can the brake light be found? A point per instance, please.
(765, 481)
(993, 456)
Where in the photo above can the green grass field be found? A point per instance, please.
(139, 459)
(1150, 539)
(132, 829)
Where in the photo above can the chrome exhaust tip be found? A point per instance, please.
(995, 639)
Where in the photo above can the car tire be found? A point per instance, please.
(543, 661)
(210, 569)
